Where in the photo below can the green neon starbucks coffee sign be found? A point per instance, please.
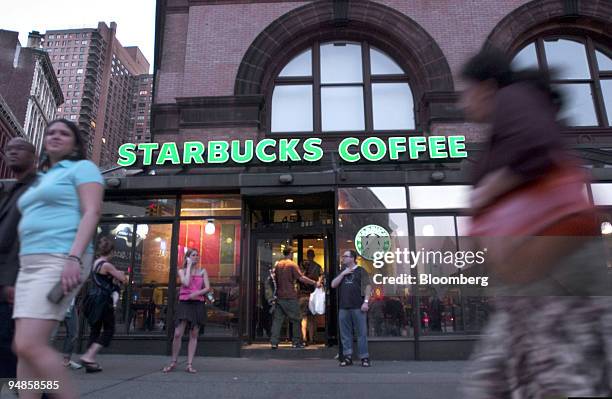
(350, 149)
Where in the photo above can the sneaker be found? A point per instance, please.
(299, 345)
(273, 346)
(365, 362)
(73, 365)
(346, 361)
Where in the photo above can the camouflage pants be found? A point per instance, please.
(544, 347)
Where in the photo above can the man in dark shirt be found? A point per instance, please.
(287, 273)
(20, 158)
(354, 289)
(313, 271)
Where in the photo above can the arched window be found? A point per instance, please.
(583, 73)
(341, 87)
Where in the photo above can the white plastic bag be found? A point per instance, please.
(316, 304)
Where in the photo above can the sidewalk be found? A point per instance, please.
(139, 377)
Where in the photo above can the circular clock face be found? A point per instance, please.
(370, 239)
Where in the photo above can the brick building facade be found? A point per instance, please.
(331, 69)
(96, 73)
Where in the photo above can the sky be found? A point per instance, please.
(135, 19)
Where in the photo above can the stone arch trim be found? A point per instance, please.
(547, 16)
(388, 29)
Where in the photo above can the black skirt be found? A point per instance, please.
(194, 312)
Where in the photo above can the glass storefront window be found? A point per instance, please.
(219, 249)
(602, 193)
(142, 251)
(372, 198)
(139, 207)
(391, 307)
(447, 309)
(210, 205)
(439, 197)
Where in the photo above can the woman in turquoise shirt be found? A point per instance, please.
(60, 212)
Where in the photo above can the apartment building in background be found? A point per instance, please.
(28, 85)
(140, 111)
(97, 75)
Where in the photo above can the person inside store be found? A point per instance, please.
(60, 212)
(190, 311)
(313, 271)
(98, 305)
(286, 305)
(354, 290)
(549, 334)
(20, 157)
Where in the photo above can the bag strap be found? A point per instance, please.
(96, 269)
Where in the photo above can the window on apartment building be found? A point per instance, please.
(59, 109)
(70, 86)
(82, 49)
(75, 101)
(583, 74)
(84, 42)
(143, 92)
(84, 35)
(79, 71)
(351, 93)
(51, 37)
(73, 117)
(80, 56)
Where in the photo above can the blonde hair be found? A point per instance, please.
(188, 254)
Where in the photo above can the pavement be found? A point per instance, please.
(136, 376)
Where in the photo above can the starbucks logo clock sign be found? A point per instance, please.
(371, 239)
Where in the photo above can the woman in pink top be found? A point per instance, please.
(190, 309)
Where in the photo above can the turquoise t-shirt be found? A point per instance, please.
(50, 208)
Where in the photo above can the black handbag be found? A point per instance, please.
(98, 297)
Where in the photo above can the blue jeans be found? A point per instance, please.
(71, 323)
(353, 319)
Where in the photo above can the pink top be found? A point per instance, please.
(195, 284)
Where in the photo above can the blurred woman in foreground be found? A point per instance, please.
(551, 339)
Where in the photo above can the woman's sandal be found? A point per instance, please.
(169, 367)
(190, 369)
(91, 367)
(346, 361)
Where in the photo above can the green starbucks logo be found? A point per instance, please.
(370, 239)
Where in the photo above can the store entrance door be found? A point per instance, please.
(268, 250)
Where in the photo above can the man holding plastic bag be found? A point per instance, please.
(310, 304)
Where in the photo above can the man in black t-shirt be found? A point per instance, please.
(354, 289)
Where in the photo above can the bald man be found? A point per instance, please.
(20, 156)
